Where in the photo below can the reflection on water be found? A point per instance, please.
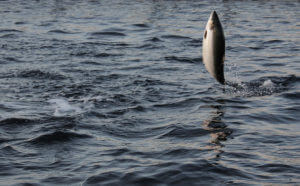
(219, 131)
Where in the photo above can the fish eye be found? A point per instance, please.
(205, 34)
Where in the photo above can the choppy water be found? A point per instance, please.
(115, 92)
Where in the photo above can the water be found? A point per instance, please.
(115, 92)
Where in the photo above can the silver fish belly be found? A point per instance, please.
(213, 48)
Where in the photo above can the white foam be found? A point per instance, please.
(91, 99)
(268, 84)
(73, 106)
(63, 107)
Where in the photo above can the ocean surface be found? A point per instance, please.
(114, 92)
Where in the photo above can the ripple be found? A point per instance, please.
(4, 140)
(64, 180)
(57, 137)
(109, 77)
(15, 122)
(117, 152)
(149, 47)
(12, 59)
(9, 30)
(273, 168)
(119, 112)
(9, 151)
(215, 123)
(59, 32)
(176, 37)
(184, 132)
(99, 34)
(103, 178)
(9, 36)
(154, 39)
(181, 152)
(214, 168)
(145, 82)
(93, 54)
(293, 95)
(273, 64)
(38, 74)
(178, 104)
(220, 136)
(127, 132)
(103, 55)
(273, 41)
(20, 22)
(142, 25)
(90, 63)
(183, 59)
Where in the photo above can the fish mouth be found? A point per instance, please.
(214, 16)
(213, 20)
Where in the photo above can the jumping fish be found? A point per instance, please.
(213, 48)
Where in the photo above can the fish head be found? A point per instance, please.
(213, 21)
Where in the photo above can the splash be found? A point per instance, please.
(62, 107)
(268, 84)
(261, 87)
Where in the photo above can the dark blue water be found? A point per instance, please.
(115, 93)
